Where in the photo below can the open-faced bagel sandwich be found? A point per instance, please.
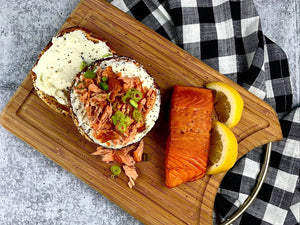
(114, 102)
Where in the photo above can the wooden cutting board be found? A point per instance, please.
(150, 200)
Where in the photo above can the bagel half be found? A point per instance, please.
(122, 67)
(60, 61)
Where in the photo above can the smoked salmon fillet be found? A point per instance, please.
(189, 138)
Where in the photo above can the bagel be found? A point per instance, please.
(118, 110)
(59, 62)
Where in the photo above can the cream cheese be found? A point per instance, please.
(59, 65)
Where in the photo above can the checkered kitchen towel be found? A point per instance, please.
(227, 36)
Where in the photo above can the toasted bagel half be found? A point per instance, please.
(60, 61)
(115, 102)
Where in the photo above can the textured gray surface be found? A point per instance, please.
(281, 23)
(33, 189)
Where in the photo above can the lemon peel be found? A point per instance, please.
(228, 103)
(223, 149)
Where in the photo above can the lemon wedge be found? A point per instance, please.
(228, 103)
(223, 149)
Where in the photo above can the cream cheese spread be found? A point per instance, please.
(59, 65)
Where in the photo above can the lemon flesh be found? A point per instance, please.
(223, 149)
(227, 102)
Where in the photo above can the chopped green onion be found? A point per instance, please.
(89, 74)
(121, 127)
(83, 64)
(107, 55)
(124, 98)
(121, 121)
(136, 95)
(133, 103)
(127, 121)
(81, 85)
(127, 95)
(114, 120)
(116, 170)
(137, 115)
(103, 86)
(104, 79)
(120, 116)
(145, 157)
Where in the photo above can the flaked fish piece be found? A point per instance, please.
(138, 152)
(126, 156)
(131, 173)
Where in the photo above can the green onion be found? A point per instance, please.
(136, 95)
(104, 79)
(83, 64)
(137, 115)
(127, 121)
(103, 86)
(120, 117)
(107, 55)
(145, 157)
(127, 95)
(121, 121)
(114, 120)
(124, 98)
(121, 127)
(116, 170)
(133, 103)
(89, 74)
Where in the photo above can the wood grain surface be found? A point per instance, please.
(150, 200)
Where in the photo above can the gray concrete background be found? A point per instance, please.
(33, 189)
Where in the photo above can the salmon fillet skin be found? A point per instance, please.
(189, 134)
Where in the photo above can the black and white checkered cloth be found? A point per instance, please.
(227, 36)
